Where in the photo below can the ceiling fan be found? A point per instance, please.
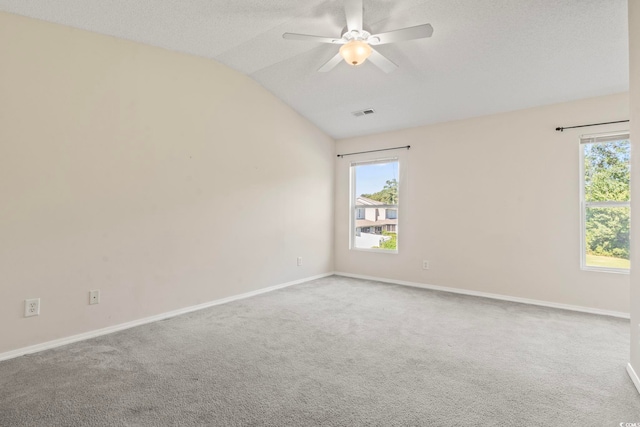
(356, 41)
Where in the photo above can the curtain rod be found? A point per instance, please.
(561, 129)
(374, 151)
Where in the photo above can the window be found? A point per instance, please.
(374, 205)
(605, 201)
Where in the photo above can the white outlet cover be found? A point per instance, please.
(32, 307)
(94, 297)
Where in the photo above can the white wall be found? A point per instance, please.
(161, 179)
(492, 203)
(634, 92)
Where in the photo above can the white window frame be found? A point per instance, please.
(352, 201)
(596, 139)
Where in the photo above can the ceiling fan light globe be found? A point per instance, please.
(355, 52)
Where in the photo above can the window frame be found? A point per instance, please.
(353, 197)
(584, 205)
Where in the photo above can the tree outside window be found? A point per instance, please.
(606, 202)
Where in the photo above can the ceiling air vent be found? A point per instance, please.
(363, 112)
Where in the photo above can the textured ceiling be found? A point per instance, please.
(485, 56)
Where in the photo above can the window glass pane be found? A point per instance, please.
(378, 181)
(606, 171)
(375, 203)
(607, 237)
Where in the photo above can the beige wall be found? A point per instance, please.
(161, 179)
(634, 91)
(492, 203)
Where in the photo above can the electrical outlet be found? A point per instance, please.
(32, 307)
(425, 265)
(94, 297)
(299, 261)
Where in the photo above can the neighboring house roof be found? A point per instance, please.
(367, 223)
(366, 201)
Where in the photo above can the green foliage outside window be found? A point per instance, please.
(607, 175)
(388, 195)
(389, 244)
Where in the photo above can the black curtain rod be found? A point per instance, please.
(561, 129)
(374, 151)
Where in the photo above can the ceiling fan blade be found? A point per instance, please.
(353, 10)
(411, 33)
(330, 64)
(310, 38)
(381, 62)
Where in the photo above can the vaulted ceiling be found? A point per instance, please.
(485, 56)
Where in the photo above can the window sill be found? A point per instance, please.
(606, 270)
(380, 251)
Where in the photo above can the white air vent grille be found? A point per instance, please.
(363, 112)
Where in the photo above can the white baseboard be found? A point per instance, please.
(492, 296)
(110, 329)
(634, 376)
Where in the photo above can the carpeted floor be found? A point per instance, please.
(336, 352)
